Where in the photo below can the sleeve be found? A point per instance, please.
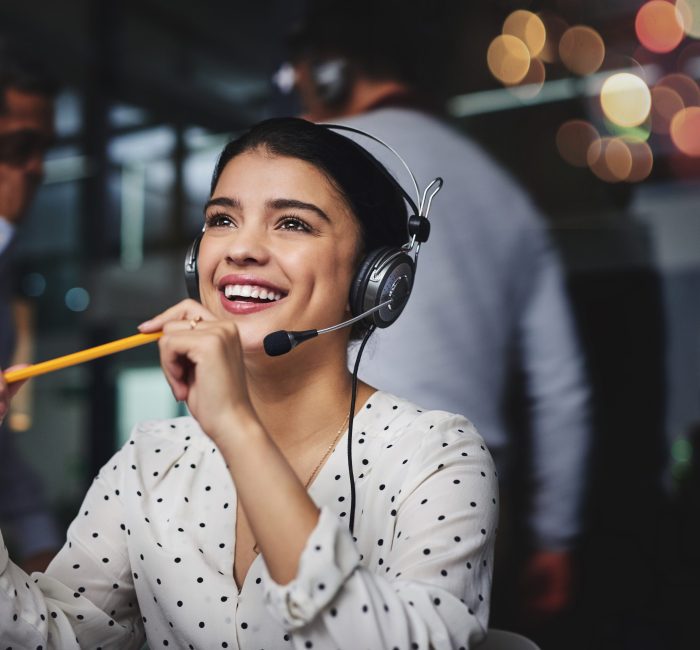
(558, 398)
(86, 598)
(23, 509)
(432, 588)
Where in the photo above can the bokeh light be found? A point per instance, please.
(641, 132)
(554, 26)
(682, 84)
(582, 50)
(665, 103)
(610, 159)
(77, 299)
(690, 13)
(685, 131)
(34, 284)
(682, 450)
(642, 161)
(532, 82)
(573, 140)
(659, 26)
(625, 99)
(528, 27)
(20, 422)
(508, 59)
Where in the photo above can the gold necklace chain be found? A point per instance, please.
(320, 462)
(328, 452)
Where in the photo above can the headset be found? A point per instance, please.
(332, 80)
(384, 278)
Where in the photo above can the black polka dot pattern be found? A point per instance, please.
(154, 542)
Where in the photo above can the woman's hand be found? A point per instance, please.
(7, 391)
(202, 361)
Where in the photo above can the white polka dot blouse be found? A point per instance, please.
(150, 555)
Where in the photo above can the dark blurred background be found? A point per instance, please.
(150, 90)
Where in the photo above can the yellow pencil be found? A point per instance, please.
(80, 357)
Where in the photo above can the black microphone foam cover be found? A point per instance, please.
(277, 343)
(282, 341)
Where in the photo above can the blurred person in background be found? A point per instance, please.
(489, 309)
(26, 131)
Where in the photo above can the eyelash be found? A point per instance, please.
(219, 219)
(215, 220)
(300, 224)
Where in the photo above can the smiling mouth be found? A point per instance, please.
(252, 293)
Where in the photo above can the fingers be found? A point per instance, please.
(184, 311)
(187, 346)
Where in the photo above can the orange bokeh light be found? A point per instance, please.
(508, 59)
(685, 131)
(528, 27)
(554, 29)
(642, 161)
(682, 84)
(665, 103)
(582, 50)
(532, 82)
(659, 26)
(610, 159)
(573, 140)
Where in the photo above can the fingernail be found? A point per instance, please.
(145, 323)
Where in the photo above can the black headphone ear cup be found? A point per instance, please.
(385, 273)
(191, 271)
(361, 279)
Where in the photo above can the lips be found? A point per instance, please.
(247, 294)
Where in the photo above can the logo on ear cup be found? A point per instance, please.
(385, 274)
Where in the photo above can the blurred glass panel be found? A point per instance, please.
(127, 115)
(142, 394)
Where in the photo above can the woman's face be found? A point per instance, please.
(279, 247)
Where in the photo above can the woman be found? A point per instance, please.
(229, 528)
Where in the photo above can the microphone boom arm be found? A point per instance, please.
(345, 323)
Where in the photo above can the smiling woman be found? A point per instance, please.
(229, 528)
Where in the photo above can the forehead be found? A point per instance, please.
(274, 174)
(26, 111)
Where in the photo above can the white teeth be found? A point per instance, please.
(250, 291)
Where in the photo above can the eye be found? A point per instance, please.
(218, 220)
(294, 224)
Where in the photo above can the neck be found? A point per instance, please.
(304, 393)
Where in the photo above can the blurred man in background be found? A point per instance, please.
(488, 301)
(26, 131)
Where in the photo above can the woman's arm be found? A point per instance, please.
(427, 584)
(86, 597)
(204, 366)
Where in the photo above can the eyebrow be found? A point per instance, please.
(223, 201)
(281, 204)
(275, 204)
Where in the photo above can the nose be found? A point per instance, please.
(248, 246)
